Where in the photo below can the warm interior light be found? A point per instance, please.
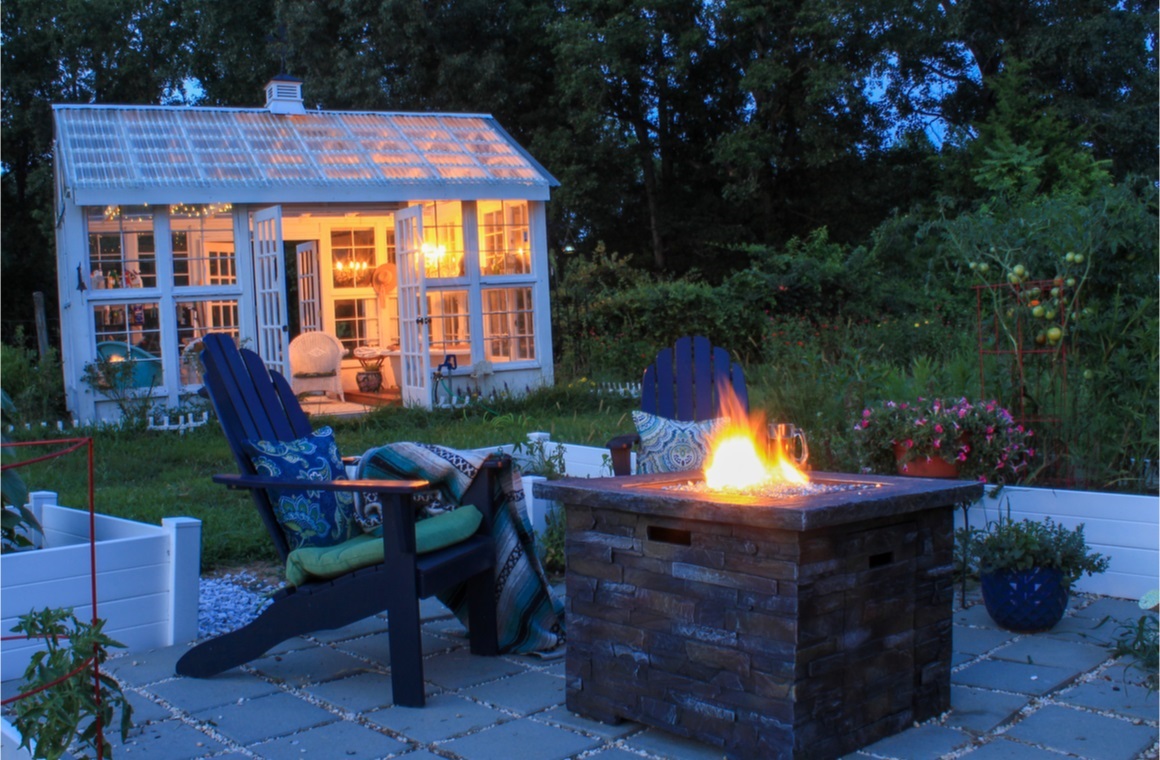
(737, 459)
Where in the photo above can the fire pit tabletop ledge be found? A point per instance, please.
(877, 496)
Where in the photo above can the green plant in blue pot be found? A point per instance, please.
(1027, 568)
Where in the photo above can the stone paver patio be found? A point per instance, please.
(1051, 696)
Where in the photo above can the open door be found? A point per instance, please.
(270, 289)
(309, 288)
(415, 383)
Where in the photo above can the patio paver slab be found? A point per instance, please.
(1085, 734)
(920, 743)
(460, 669)
(445, 716)
(1112, 694)
(270, 716)
(309, 666)
(669, 746)
(523, 693)
(521, 740)
(358, 693)
(562, 716)
(1044, 650)
(1020, 677)
(976, 641)
(981, 711)
(342, 739)
(166, 740)
(195, 694)
(1006, 749)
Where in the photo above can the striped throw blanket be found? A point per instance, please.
(530, 620)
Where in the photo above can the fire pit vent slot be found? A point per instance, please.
(881, 560)
(669, 535)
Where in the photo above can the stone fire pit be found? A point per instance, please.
(801, 627)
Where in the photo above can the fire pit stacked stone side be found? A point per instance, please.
(801, 628)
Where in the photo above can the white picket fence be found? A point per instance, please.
(167, 422)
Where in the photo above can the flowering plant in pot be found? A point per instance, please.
(1027, 568)
(975, 440)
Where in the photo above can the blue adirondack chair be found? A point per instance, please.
(255, 404)
(683, 383)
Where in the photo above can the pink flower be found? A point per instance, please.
(938, 428)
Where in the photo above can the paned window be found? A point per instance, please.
(129, 332)
(443, 253)
(195, 319)
(203, 245)
(121, 250)
(352, 253)
(356, 322)
(508, 327)
(504, 246)
(449, 332)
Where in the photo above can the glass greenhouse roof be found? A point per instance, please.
(181, 148)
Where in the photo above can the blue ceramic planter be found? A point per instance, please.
(1025, 601)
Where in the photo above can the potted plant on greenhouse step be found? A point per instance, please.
(1027, 568)
(973, 440)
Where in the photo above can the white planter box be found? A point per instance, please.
(1124, 527)
(147, 579)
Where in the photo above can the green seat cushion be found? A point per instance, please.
(322, 562)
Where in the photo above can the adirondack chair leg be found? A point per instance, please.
(294, 614)
(481, 614)
(406, 642)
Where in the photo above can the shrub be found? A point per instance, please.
(34, 383)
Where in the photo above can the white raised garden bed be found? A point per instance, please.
(1124, 527)
(147, 579)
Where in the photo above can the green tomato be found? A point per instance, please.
(1038, 312)
(1054, 334)
(984, 267)
(1020, 270)
(1070, 257)
(1071, 282)
(1079, 258)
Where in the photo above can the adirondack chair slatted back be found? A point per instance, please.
(252, 404)
(684, 382)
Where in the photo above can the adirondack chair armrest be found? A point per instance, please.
(620, 450)
(362, 486)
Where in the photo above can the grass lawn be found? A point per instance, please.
(146, 476)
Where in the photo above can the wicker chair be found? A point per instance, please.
(316, 364)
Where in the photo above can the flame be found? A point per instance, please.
(736, 459)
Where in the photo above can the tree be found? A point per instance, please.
(107, 51)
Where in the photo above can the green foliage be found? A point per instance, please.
(533, 457)
(980, 437)
(68, 711)
(17, 523)
(1008, 545)
(34, 383)
(117, 380)
(1139, 640)
(551, 542)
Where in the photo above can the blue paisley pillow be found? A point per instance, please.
(308, 518)
(671, 445)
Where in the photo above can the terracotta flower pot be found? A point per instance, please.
(935, 467)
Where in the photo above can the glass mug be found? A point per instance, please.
(792, 441)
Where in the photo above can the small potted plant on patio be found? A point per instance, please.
(1027, 568)
(944, 438)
